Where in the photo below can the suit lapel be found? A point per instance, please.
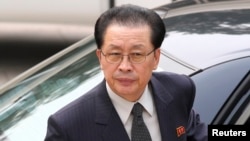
(113, 129)
(107, 117)
(162, 99)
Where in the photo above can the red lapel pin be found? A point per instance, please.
(180, 130)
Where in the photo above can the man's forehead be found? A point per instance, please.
(134, 46)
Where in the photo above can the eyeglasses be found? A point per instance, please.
(134, 58)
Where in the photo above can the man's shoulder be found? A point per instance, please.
(169, 75)
(179, 86)
(171, 79)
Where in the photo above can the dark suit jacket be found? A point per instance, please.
(92, 117)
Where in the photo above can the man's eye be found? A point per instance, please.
(114, 54)
(136, 54)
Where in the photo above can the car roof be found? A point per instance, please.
(208, 34)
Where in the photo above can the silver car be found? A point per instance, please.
(207, 41)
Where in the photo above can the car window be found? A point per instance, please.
(57, 79)
(213, 88)
(241, 112)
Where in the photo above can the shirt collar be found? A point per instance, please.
(124, 107)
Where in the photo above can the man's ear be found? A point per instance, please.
(98, 54)
(157, 57)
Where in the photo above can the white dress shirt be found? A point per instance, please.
(124, 108)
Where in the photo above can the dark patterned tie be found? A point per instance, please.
(139, 130)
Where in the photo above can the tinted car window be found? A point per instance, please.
(214, 88)
(240, 114)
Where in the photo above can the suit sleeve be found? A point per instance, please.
(54, 132)
(197, 130)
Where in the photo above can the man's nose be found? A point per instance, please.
(125, 64)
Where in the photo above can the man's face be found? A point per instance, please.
(125, 78)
